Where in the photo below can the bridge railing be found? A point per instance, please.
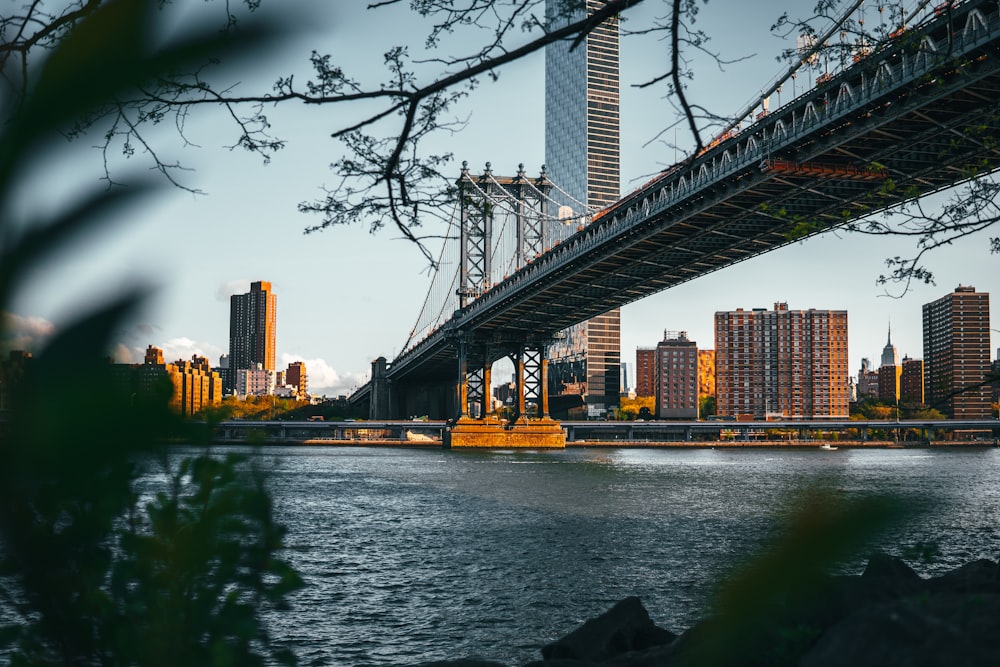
(864, 85)
(877, 76)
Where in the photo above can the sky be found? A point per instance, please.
(346, 296)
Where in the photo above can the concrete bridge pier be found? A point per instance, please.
(380, 404)
(477, 426)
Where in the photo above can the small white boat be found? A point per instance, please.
(829, 448)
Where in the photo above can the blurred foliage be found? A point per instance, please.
(92, 571)
(769, 611)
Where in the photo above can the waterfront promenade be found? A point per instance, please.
(701, 434)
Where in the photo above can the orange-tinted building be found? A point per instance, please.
(199, 385)
(190, 385)
(252, 329)
(296, 376)
(784, 362)
(888, 383)
(706, 372)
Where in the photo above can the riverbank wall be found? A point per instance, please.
(642, 444)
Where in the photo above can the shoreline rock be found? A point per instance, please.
(885, 617)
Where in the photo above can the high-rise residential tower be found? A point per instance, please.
(957, 353)
(252, 325)
(582, 158)
(787, 362)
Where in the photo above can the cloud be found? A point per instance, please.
(123, 354)
(231, 287)
(25, 333)
(184, 348)
(323, 379)
(175, 349)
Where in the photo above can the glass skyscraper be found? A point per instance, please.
(582, 158)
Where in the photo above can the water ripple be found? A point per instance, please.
(415, 555)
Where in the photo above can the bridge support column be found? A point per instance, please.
(532, 427)
(380, 405)
(487, 399)
(545, 385)
(473, 385)
(522, 408)
(462, 386)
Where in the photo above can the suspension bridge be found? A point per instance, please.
(902, 118)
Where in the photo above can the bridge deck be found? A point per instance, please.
(917, 116)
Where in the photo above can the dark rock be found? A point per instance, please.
(928, 630)
(462, 662)
(654, 656)
(888, 578)
(887, 617)
(623, 628)
(979, 576)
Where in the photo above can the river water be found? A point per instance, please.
(419, 554)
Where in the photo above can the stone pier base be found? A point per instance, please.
(494, 434)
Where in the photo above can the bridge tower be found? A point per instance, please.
(480, 200)
(523, 202)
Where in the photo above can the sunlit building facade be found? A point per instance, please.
(781, 363)
(706, 373)
(188, 386)
(957, 353)
(252, 330)
(296, 377)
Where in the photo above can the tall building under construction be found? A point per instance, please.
(582, 157)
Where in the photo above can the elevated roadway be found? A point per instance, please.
(918, 115)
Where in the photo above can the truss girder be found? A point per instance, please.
(924, 132)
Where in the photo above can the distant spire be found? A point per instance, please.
(890, 355)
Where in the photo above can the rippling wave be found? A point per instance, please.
(413, 555)
(420, 554)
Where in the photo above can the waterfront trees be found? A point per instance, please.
(93, 568)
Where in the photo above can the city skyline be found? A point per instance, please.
(348, 297)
